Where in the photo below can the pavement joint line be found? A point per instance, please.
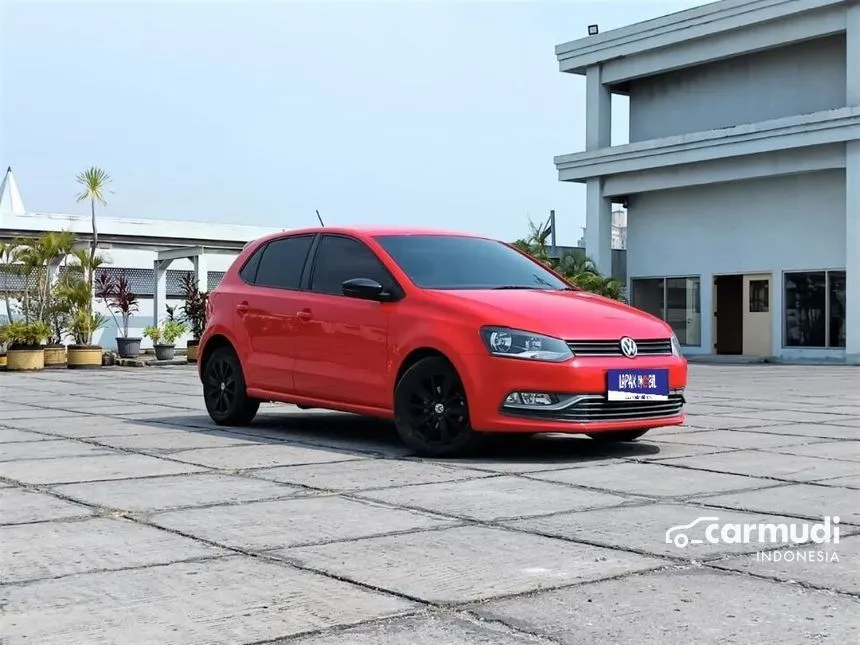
(723, 472)
(702, 503)
(792, 582)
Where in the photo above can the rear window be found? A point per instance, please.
(281, 262)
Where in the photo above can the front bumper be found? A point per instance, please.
(581, 386)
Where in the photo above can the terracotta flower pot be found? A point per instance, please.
(2, 360)
(25, 359)
(191, 351)
(84, 357)
(55, 356)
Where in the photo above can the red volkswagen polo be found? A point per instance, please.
(452, 336)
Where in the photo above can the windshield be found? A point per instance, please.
(454, 262)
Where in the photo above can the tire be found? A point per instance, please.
(618, 436)
(227, 400)
(431, 412)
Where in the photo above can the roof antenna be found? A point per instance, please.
(320, 219)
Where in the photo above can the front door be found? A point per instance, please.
(342, 342)
(729, 314)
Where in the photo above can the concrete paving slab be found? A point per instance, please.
(367, 473)
(169, 442)
(723, 422)
(644, 529)
(851, 481)
(652, 480)
(666, 450)
(258, 526)
(825, 566)
(12, 435)
(467, 563)
(431, 627)
(154, 494)
(219, 602)
(11, 418)
(493, 499)
(841, 450)
(754, 463)
(97, 468)
(89, 427)
(52, 549)
(793, 416)
(49, 450)
(813, 430)
(19, 506)
(797, 500)
(263, 455)
(737, 439)
(681, 607)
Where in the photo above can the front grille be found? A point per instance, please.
(661, 347)
(597, 409)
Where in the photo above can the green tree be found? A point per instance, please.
(94, 182)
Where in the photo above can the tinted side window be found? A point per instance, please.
(249, 272)
(282, 262)
(341, 258)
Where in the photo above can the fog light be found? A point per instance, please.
(529, 399)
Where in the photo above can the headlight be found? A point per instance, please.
(513, 343)
(676, 346)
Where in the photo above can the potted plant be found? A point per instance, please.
(2, 347)
(25, 345)
(164, 337)
(119, 298)
(194, 314)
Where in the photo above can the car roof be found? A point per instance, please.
(367, 231)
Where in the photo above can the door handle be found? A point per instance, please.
(304, 314)
(243, 307)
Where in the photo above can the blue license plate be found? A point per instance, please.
(637, 385)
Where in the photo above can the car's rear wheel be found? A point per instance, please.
(431, 412)
(224, 391)
(617, 436)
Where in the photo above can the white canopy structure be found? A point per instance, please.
(10, 196)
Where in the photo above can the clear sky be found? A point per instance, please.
(428, 113)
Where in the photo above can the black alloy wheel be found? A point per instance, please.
(224, 391)
(618, 436)
(431, 412)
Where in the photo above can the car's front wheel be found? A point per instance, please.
(227, 400)
(620, 435)
(431, 411)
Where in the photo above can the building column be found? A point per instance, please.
(159, 299)
(598, 134)
(201, 272)
(852, 193)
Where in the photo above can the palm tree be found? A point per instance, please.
(94, 181)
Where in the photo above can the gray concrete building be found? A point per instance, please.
(741, 177)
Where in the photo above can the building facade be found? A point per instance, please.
(742, 174)
(154, 255)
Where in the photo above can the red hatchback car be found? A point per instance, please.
(452, 336)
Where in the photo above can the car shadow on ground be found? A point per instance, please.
(363, 435)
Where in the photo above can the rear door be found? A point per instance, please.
(342, 342)
(267, 313)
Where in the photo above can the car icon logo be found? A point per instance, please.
(628, 347)
(677, 534)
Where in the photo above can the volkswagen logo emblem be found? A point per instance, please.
(628, 347)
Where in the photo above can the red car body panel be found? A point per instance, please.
(342, 353)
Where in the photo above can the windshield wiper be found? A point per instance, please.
(515, 286)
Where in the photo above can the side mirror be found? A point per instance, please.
(366, 289)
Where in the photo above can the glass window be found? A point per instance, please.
(248, 272)
(342, 258)
(759, 296)
(282, 262)
(459, 262)
(836, 296)
(682, 309)
(805, 307)
(649, 295)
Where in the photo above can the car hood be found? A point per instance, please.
(570, 315)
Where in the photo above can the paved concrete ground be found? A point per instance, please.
(127, 518)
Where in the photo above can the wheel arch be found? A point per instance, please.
(214, 342)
